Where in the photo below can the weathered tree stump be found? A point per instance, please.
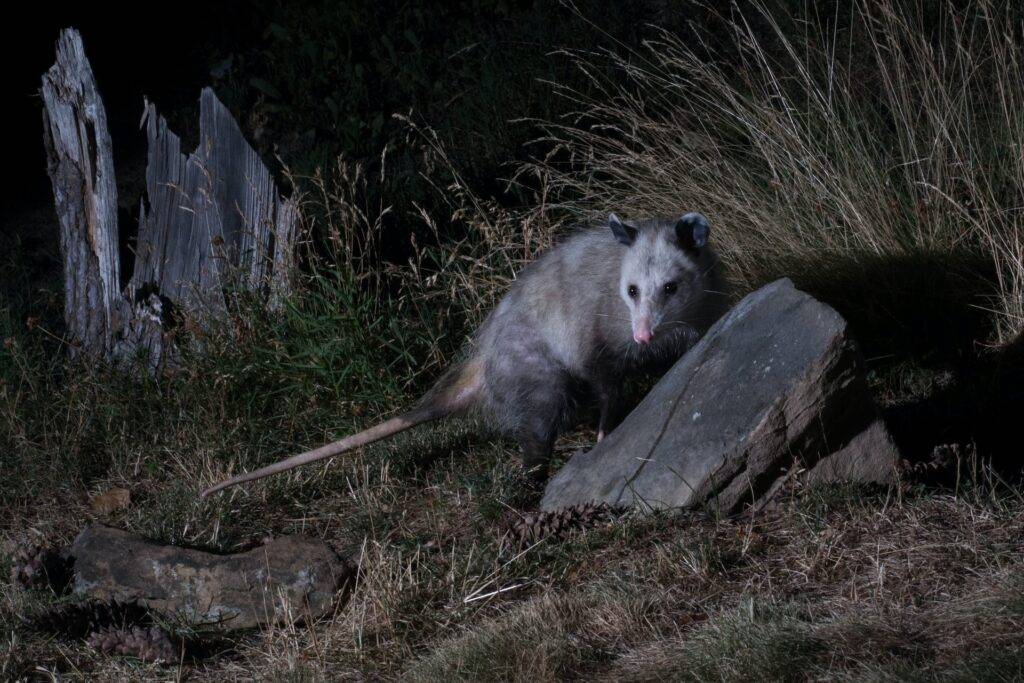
(212, 221)
(81, 166)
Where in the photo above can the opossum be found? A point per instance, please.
(610, 300)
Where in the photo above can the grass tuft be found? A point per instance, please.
(871, 156)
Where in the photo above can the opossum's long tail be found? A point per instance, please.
(453, 393)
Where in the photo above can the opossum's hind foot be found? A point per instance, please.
(537, 451)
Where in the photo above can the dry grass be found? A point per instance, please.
(840, 150)
(463, 277)
(823, 590)
(860, 161)
(838, 583)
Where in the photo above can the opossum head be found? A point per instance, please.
(661, 277)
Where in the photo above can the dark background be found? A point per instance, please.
(134, 50)
(314, 80)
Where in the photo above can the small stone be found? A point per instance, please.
(110, 501)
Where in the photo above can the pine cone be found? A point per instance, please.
(944, 461)
(39, 567)
(80, 619)
(559, 524)
(148, 644)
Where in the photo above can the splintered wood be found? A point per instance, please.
(212, 221)
(81, 167)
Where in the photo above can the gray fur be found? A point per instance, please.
(569, 320)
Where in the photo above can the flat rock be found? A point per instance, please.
(291, 577)
(775, 389)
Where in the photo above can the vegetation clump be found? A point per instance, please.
(872, 154)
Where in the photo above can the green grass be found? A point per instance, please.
(909, 583)
(841, 582)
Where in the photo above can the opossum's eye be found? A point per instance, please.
(671, 287)
(632, 291)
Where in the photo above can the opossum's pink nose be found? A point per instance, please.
(642, 332)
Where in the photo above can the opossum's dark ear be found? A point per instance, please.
(626, 234)
(692, 231)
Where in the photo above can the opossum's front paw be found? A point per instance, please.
(536, 476)
(600, 435)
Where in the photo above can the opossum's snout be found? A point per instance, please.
(642, 331)
(641, 314)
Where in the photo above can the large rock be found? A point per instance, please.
(225, 592)
(775, 384)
